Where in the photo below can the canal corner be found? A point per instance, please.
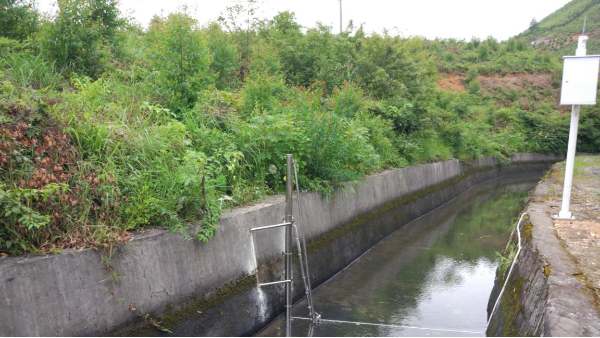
(554, 289)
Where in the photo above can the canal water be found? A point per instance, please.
(432, 277)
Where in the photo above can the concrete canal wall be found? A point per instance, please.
(162, 282)
(544, 296)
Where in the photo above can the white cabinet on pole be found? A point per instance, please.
(580, 80)
(579, 87)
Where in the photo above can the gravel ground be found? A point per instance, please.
(581, 236)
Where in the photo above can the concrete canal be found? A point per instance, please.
(432, 277)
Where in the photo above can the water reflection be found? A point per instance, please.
(433, 277)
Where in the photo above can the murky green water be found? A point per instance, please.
(433, 277)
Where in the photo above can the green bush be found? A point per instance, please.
(264, 84)
(225, 57)
(473, 87)
(81, 36)
(180, 60)
(18, 19)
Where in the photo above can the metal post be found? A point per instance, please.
(566, 199)
(288, 243)
(340, 16)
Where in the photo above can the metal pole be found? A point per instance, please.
(566, 200)
(313, 314)
(288, 244)
(340, 16)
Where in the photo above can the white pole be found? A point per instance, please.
(566, 200)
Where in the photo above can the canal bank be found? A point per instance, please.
(431, 277)
(162, 282)
(553, 290)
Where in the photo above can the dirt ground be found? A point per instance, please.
(519, 81)
(581, 236)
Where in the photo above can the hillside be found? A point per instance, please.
(559, 31)
(107, 128)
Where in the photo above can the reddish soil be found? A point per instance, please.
(451, 82)
(518, 81)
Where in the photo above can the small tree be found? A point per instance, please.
(180, 60)
(18, 19)
(483, 52)
(265, 83)
(225, 57)
(533, 24)
(472, 74)
(81, 35)
(474, 87)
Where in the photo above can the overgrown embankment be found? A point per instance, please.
(161, 281)
(553, 290)
(108, 128)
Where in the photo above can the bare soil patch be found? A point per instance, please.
(451, 82)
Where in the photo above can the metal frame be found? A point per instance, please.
(292, 230)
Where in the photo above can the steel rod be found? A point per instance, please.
(271, 226)
(288, 243)
(274, 283)
(311, 308)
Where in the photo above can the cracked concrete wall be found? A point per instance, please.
(73, 294)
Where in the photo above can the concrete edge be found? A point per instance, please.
(543, 296)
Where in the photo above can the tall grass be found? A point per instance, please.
(32, 71)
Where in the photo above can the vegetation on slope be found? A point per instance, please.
(107, 128)
(558, 32)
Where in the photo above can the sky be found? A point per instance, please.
(460, 19)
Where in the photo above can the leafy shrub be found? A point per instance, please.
(265, 84)
(225, 57)
(474, 87)
(18, 19)
(471, 75)
(347, 101)
(81, 35)
(180, 60)
(23, 227)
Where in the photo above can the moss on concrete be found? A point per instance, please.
(344, 229)
(510, 307)
(177, 315)
(527, 229)
(327, 238)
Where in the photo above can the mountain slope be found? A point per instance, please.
(558, 32)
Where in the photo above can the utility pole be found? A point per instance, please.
(580, 81)
(570, 165)
(340, 16)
